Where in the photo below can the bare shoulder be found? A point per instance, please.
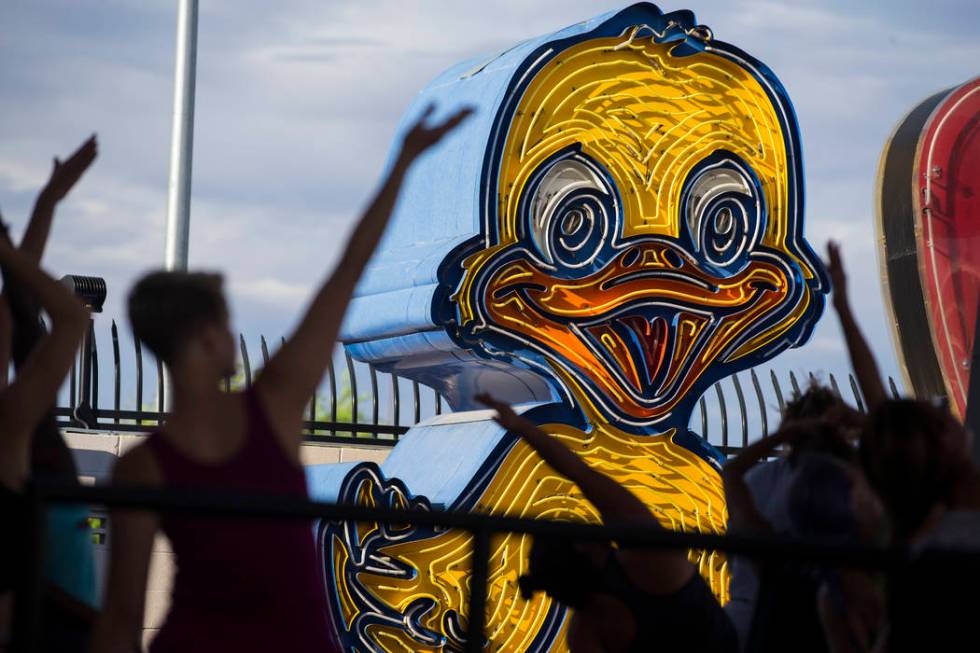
(138, 466)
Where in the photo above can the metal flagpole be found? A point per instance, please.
(181, 148)
(182, 137)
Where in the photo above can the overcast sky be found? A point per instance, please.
(297, 101)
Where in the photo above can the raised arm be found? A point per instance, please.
(19, 313)
(25, 327)
(653, 570)
(749, 456)
(743, 515)
(612, 500)
(25, 401)
(64, 176)
(862, 360)
(291, 377)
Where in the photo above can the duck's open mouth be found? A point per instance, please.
(641, 329)
(637, 345)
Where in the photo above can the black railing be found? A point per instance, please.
(359, 403)
(481, 526)
(336, 414)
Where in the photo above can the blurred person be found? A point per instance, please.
(759, 478)
(623, 599)
(800, 606)
(26, 400)
(241, 585)
(68, 601)
(918, 456)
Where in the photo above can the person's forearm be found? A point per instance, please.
(612, 500)
(553, 452)
(376, 216)
(27, 328)
(26, 325)
(371, 227)
(862, 360)
(743, 515)
(333, 296)
(59, 303)
(752, 454)
(36, 235)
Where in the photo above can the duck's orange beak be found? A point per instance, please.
(642, 329)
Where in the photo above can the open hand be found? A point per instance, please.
(422, 136)
(66, 174)
(835, 268)
(505, 416)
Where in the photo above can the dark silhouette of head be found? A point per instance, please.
(821, 419)
(181, 314)
(820, 437)
(831, 501)
(911, 451)
(816, 402)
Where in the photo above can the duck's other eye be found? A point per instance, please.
(723, 208)
(569, 207)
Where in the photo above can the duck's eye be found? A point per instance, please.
(569, 206)
(723, 210)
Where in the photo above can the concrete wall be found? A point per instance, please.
(96, 453)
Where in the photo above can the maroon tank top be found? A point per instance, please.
(242, 585)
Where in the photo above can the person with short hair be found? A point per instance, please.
(757, 489)
(801, 606)
(241, 585)
(917, 455)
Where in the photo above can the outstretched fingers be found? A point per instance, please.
(453, 121)
(426, 113)
(835, 266)
(421, 136)
(66, 174)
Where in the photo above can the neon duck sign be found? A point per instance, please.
(618, 228)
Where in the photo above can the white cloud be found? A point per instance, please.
(272, 292)
(19, 176)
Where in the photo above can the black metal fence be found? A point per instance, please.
(358, 403)
(355, 403)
